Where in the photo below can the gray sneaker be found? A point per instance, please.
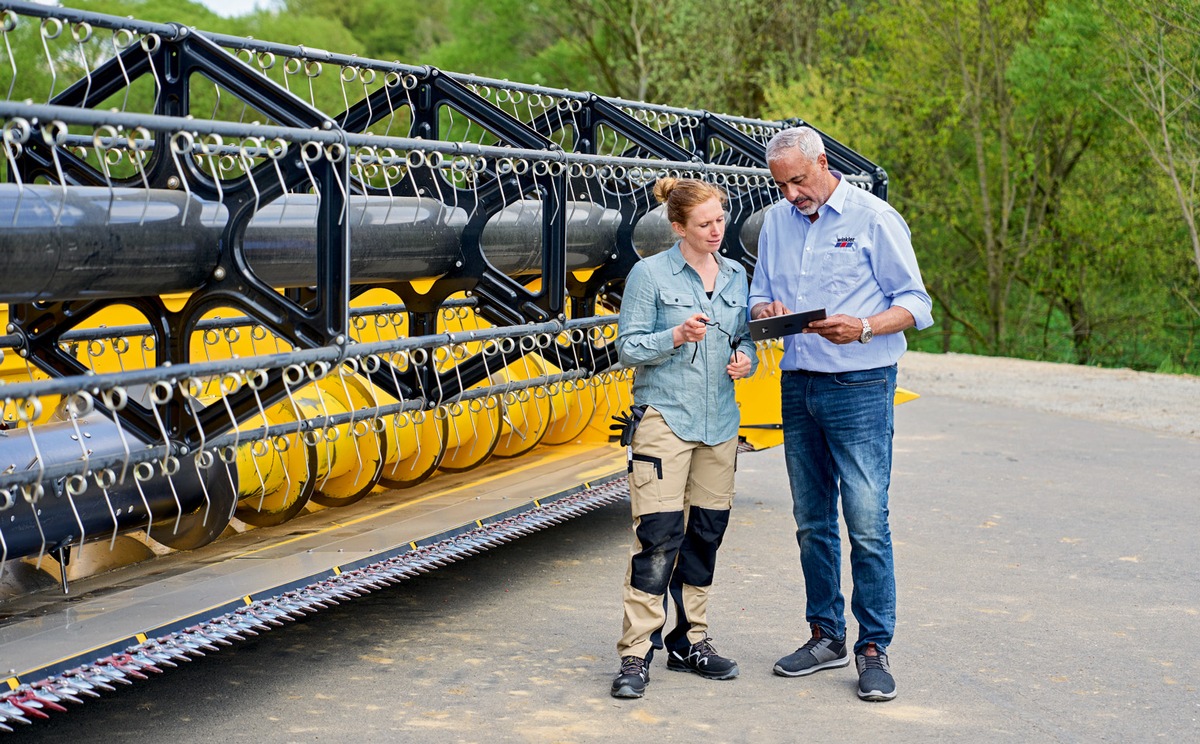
(875, 682)
(821, 652)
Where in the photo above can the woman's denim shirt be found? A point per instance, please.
(695, 398)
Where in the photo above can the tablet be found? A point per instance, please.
(783, 325)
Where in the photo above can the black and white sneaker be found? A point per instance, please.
(703, 659)
(875, 681)
(821, 652)
(631, 681)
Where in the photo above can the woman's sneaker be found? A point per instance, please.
(701, 658)
(631, 681)
(821, 652)
(875, 682)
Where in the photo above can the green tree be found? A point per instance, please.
(403, 30)
(1157, 48)
(500, 39)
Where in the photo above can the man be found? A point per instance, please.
(831, 245)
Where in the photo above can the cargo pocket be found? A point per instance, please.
(645, 484)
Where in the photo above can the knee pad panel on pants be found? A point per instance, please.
(698, 558)
(660, 535)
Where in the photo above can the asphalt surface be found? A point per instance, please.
(1049, 590)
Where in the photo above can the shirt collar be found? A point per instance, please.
(837, 200)
(676, 257)
(678, 262)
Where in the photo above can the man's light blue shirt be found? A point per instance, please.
(695, 398)
(856, 259)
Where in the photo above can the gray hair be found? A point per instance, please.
(805, 139)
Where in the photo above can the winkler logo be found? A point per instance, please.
(847, 243)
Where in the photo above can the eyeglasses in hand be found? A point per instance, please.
(734, 341)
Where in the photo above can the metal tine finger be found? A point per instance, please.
(14, 133)
(335, 154)
(277, 151)
(532, 396)
(105, 480)
(47, 36)
(54, 133)
(248, 166)
(161, 393)
(315, 379)
(138, 155)
(470, 414)
(203, 458)
(230, 452)
(121, 40)
(342, 373)
(356, 160)
(10, 21)
(398, 417)
(256, 380)
(311, 152)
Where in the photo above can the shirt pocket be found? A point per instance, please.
(732, 309)
(677, 306)
(842, 271)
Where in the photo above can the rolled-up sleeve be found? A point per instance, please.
(895, 266)
(637, 341)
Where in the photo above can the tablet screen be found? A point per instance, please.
(783, 325)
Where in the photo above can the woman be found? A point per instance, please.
(683, 327)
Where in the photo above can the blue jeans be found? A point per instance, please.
(837, 432)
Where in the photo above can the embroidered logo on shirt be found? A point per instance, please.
(847, 243)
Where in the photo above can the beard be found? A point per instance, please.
(809, 209)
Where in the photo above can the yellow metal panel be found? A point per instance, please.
(758, 399)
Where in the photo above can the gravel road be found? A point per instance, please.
(1047, 595)
(1157, 402)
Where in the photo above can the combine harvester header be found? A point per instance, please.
(249, 283)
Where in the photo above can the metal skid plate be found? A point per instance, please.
(124, 625)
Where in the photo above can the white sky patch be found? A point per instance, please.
(231, 8)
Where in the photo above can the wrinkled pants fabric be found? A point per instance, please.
(837, 441)
(681, 493)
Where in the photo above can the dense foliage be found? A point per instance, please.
(1046, 153)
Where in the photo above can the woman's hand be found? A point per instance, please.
(690, 330)
(739, 366)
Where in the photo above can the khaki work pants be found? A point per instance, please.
(681, 493)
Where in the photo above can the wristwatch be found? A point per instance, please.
(867, 333)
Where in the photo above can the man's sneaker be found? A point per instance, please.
(821, 652)
(704, 660)
(875, 681)
(631, 681)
